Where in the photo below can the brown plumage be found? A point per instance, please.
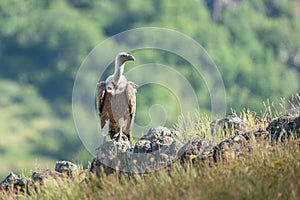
(116, 101)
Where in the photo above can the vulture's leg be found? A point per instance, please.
(121, 123)
(105, 130)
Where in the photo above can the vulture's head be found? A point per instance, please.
(123, 57)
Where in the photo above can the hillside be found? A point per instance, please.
(254, 45)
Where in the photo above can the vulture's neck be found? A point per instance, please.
(119, 69)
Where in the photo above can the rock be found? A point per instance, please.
(162, 143)
(142, 146)
(296, 127)
(111, 156)
(149, 162)
(159, 132)
(8, 182)
(43, 176)
(258, 136)
(261, 135)
(63, 169)
(231, 148)
(13, 183)
(161, 160)
(22, 184)
(237, 125)
(281, 127)
(157, 149)
(66, 167)
(160, 139)
(196, 150)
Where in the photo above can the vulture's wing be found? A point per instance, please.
(131, 97)
(100, 97)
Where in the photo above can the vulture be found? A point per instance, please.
(116, 101)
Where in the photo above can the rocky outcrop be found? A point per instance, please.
(296, 128)
(284, 127)
(111, 156)
(228, 125)
(197, 151)
(155, 150)
(161, 147)
(66, 167)
(13, 183)
(231, 148)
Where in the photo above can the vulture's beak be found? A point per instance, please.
(130, 57)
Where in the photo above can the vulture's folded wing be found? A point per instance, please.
(131, 97)
(100, 97)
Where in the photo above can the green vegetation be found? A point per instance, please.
(255, 45)
(30, 131)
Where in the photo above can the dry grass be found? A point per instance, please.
(266, 172)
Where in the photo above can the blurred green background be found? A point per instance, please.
(255, 45)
